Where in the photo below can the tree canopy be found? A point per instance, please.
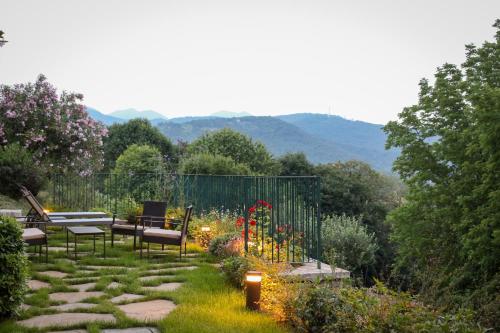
(208, 164)
(295, 164)
(135, 131)
(242, 149)
(448, 232)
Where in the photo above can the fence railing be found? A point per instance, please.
(280, 216)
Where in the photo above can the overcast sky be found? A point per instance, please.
(358, 59)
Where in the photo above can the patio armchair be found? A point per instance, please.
(35, 236)
(153, 216)
(168, 237)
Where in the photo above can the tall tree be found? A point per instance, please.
(135, 131)
(239, 147)
(448, 232)
(295, 164)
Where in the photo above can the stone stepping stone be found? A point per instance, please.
(84, 286)
(125, 297)
(25, 307)
(71, 331)
(114, 285)
(151, 277)
(54, 274)
(182, 268)
(57, 248)
(72, 306)
(74, 297)
(164, 287)
(132, 330)
(66, 319)
(98, 268)
(148, 311)
(36, 284)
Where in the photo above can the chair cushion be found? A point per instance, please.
(32, 233)
(126, 226)
(174, 234)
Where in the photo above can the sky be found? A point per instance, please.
(358, 59)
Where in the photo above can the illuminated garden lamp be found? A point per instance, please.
(205, 229)
(252, 282)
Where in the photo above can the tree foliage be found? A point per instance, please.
(448, 232)
(295, 164)
(139, 159)
(135, 131)
(208, 164)
(242, 149)
(54, 128)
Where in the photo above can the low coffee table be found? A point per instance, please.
(84, 231)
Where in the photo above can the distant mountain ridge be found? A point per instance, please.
(323, 138)
(131, 113)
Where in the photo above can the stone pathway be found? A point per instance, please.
(125, 297)
(84, 286)
(71, 331)
(74, 297)
(148, 311)
(114, 285)
(164, 287)
(54, 274)
(36, 284)
(66, 319)
(72, 306)
(151, 277)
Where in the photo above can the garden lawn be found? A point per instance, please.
(205, 301)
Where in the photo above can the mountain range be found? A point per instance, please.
(323, 138)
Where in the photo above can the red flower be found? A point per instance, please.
(251, 210)
(253, 222)
(243, 233)
(277, 247)
(240, 221)
(281, 229)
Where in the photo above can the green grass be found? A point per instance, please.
(205, 302)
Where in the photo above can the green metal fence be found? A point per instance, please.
(280, 216)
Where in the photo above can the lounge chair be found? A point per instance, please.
(153, 214)
(168, 237)
(37, 214)
(54, 215)
(36, 236)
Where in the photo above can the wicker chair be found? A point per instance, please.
(168, 237)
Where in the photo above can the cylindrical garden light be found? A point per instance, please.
(252, 282)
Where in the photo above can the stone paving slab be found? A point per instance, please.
(58, 248)
(25, 307)
(36, 284)
(132, 330)
(72, 306)
(309, 272)
(66, 319)
(151, 277)
(164, 287)
(125, 297)
(148, 311)
(84, 286)
(70, 331)
(74, 297)
(88, 278)
(93, 268)
(54, 274)
(114, 285)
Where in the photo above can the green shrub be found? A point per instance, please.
(210, 164)
(235, 268)
(17, 168)
(13, 267)
(221, 247)
(321, 308)
(348, 244)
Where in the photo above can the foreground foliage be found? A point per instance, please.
(448, 232)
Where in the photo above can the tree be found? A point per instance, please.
(135, 131)
(295, 164)
(2, 40)
(139, 159)
(208, 164)
(242, 149)
(448, 232)
(54, 128)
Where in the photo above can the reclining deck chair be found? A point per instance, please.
(168, 237)
(153, 214)
(37, 214)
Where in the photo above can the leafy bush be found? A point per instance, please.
(235, 268)
(18, 168)
(225, 245)
(321, 308)
(219, 222)
(350, 243)
(13, 267)
(210, 164)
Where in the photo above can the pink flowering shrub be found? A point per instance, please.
(56, 129)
